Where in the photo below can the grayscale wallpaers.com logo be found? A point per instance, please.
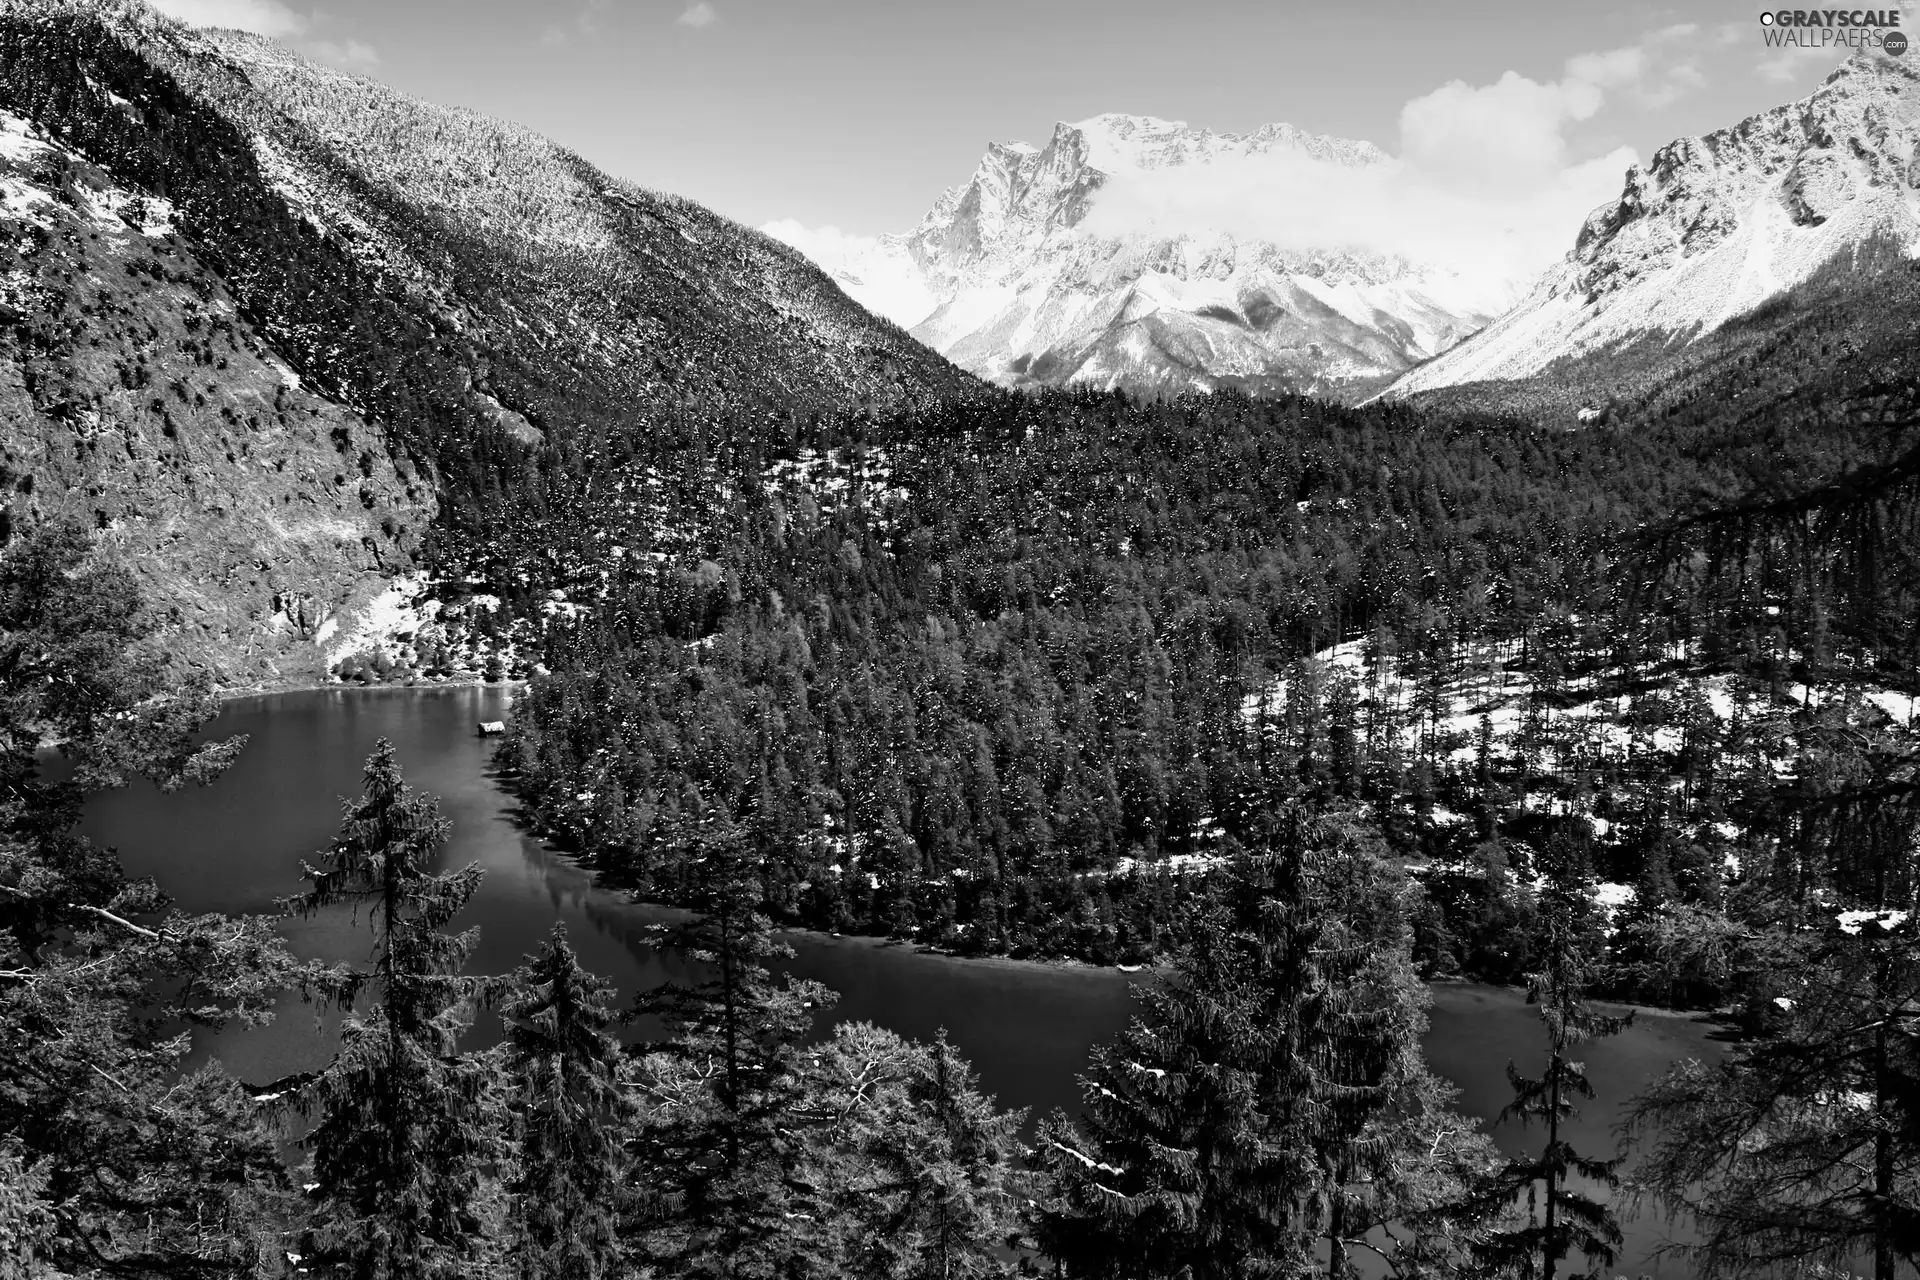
(1834, 29)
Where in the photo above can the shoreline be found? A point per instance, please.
(238, 693)
(1610, 1007)
(876, 942)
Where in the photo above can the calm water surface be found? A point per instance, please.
(237, 846)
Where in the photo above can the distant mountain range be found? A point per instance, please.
(1007, 276)
(1010, 277)
(1714, 227)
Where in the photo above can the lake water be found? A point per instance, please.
(237, 846)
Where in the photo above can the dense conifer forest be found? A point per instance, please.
(1003, 678)
(1039, 675)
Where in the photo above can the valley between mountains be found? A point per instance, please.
(1306, 621)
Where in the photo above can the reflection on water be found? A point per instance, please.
(237, 847)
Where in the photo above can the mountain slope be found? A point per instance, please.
(1713, 227)
(1010, 277)
(513, 326)
(137, 401)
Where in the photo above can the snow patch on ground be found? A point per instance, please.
(18, 140)
(111, 208)
(403, 608)
(1612, 896)
(1489, 694)
(1851, 922)
(1179, 864)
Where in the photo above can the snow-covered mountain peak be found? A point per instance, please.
(1007, 276)
(1116, 142)
(1713, 226)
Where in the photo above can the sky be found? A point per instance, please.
(854, 115)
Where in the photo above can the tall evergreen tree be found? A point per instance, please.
(1264, 1107)
(911, 1165)
(1390, 1151)
(722, 1091)
(1172, 1169)
(958, 1166)
(1560, 1219)
(113, 1160)
(1802, 1146)
(572, 1119)
(402, 1129)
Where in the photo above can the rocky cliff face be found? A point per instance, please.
(136, 401)
(1712, 227)
(1007, 275)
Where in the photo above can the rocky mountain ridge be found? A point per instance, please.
(496, 325)
(1007, 275)
(1714, 227)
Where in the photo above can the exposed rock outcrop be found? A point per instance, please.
(135, 400)
(1009, 277)
(1712, 227)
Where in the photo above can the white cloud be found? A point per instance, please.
(1515, 128)
(876, 273)
(1786, 66)
(699, 14)
(1512, 130)
(1504, 232)
(1486, 181)
(276, 21)
(586, 23)
(268, 18)
(822, 244)
(1493, 180)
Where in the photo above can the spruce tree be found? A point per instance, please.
(958, 1167)
(1171, 1169)
(1801, 1147)
(572, 1118)
(1560, 1220)
(401, 1132)
(722, 1091)
(113, 1158)
(1272, 1107)
(908, 1169)
(1391, 1152)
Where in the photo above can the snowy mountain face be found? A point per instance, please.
(1016, 277)
(1714, 226)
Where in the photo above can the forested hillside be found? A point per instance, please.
(136, 400)
(956, 671)
(514, 326)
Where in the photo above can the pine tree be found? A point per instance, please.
(1262, 1106)
(113, 1158)
(722, 1091)
(1800, 1147)
(572, 1119)
(1390, 1150)
(1172, 1170)
(1560, 1219)
(402, 1131)
(908, 1170)
(962, 1171)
